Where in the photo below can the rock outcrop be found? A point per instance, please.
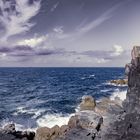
(9, 133)
(45, 133)
(88, 103)
(128, 126)
(120, 82)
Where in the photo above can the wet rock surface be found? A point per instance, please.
(9, 133)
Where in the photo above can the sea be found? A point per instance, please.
(37, 97)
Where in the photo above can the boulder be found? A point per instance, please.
(43, 133)
(88, 103)
(89, 119)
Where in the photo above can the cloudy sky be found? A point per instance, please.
(68, 33)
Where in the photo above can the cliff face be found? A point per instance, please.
(132, 103)
(128, 127)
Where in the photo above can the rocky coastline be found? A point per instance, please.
(85, 124)
(104, 120)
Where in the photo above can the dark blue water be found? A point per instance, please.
(28, 94)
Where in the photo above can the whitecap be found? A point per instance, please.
(92, 75)
(35, 112)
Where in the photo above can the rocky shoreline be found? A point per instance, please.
(85, 124)
(105, 120)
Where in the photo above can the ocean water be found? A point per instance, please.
(34, 97)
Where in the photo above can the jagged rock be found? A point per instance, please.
(88, 103)
(9, 133)
(79, 134)
(73, 122)
(55, 132)
(43, 133)
(89, 119)
(106, 105)
(64, 129)
(85, 119)
(9, 129)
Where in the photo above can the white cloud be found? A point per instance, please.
(101, 60)
(38, 43)
(33, 42)
(54, 6)
(96, 22)
(117, 50)
(83, 28)
(58, 29)
(17, 21)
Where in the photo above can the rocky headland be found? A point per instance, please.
(104, 120)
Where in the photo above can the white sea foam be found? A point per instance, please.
(92, 75)
(87, 77)
(22, 110)
(105, 90)
(51, 120)
(118, 93)
(20, 127)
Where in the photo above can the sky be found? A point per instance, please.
(68, 33)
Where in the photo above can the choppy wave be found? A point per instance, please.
(35, 112)
(51, 120)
